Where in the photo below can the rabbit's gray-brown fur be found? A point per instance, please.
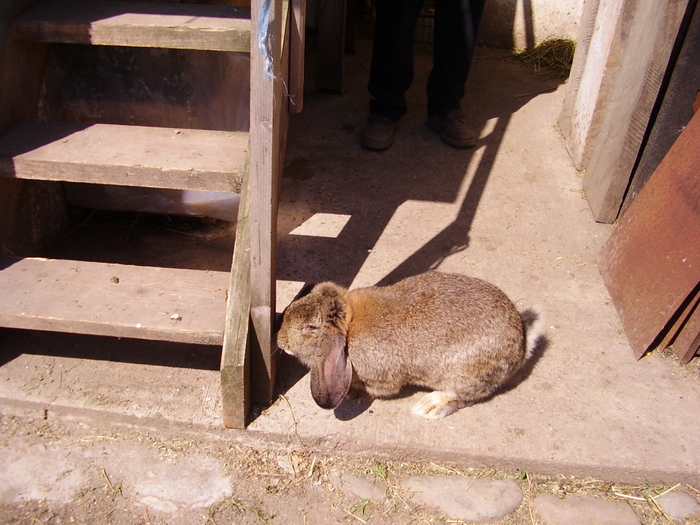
(458, 336)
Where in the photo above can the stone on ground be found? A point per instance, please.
(679, 505)
(476, 500)
(577, 509)
(354, 487)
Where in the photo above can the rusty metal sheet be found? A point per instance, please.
(681, 326)
(687, 340)
(651, 262)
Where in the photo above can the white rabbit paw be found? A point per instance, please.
(437, 405)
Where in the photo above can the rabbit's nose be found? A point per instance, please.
(279, 347)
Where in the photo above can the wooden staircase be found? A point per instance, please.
(236, 309)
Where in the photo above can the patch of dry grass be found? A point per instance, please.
(552, 57)
(298, 468)
(284, 483)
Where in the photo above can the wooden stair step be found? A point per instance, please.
(137, 24)
(184, 159)
(165, 304)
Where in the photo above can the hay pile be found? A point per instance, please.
(552, 57)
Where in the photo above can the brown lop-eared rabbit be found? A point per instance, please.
(458, 336)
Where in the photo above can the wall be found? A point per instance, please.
(511, 23)
(524, 23)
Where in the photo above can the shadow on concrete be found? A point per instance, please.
(349, 409)
(13, 343)
(327, 171)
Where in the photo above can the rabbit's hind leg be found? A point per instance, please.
(438, 404)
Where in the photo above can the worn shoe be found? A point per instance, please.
(453, 129)
(378, 133)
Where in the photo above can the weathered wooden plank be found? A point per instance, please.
(166, 304)
(296, 55)
(675, 111)
(644, 37)
(137, 24)
(267, 88)
(184, 159)
(578, 116)
(235, 355)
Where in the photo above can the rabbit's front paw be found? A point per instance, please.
(437, 405)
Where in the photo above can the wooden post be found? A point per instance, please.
(676, 109)
(235, 355)
(578, 110)
(265, 103)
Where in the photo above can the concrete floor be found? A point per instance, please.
(510, 211)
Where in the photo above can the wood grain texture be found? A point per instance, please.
(676, 109)
(235, 355)
(113, 300)
(137, 24)
(268, 111)
(125, 155)
(297, 46)
(576, 114)
(644, 37)
(31, 214)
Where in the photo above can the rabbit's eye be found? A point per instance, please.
(309, 328)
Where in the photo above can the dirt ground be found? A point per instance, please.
(106, 468)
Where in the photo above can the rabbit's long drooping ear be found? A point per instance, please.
(330, 379)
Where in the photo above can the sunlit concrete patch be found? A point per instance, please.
(168, 487)
(489, 127)
(38, 473)
(323, 225)
(402, 237)
(188, 395)
(286, 292)
(422, 225)
(171, 484)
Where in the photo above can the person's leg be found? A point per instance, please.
(456, 28)
(391, 72)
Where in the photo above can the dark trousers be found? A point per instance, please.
(391, 74)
